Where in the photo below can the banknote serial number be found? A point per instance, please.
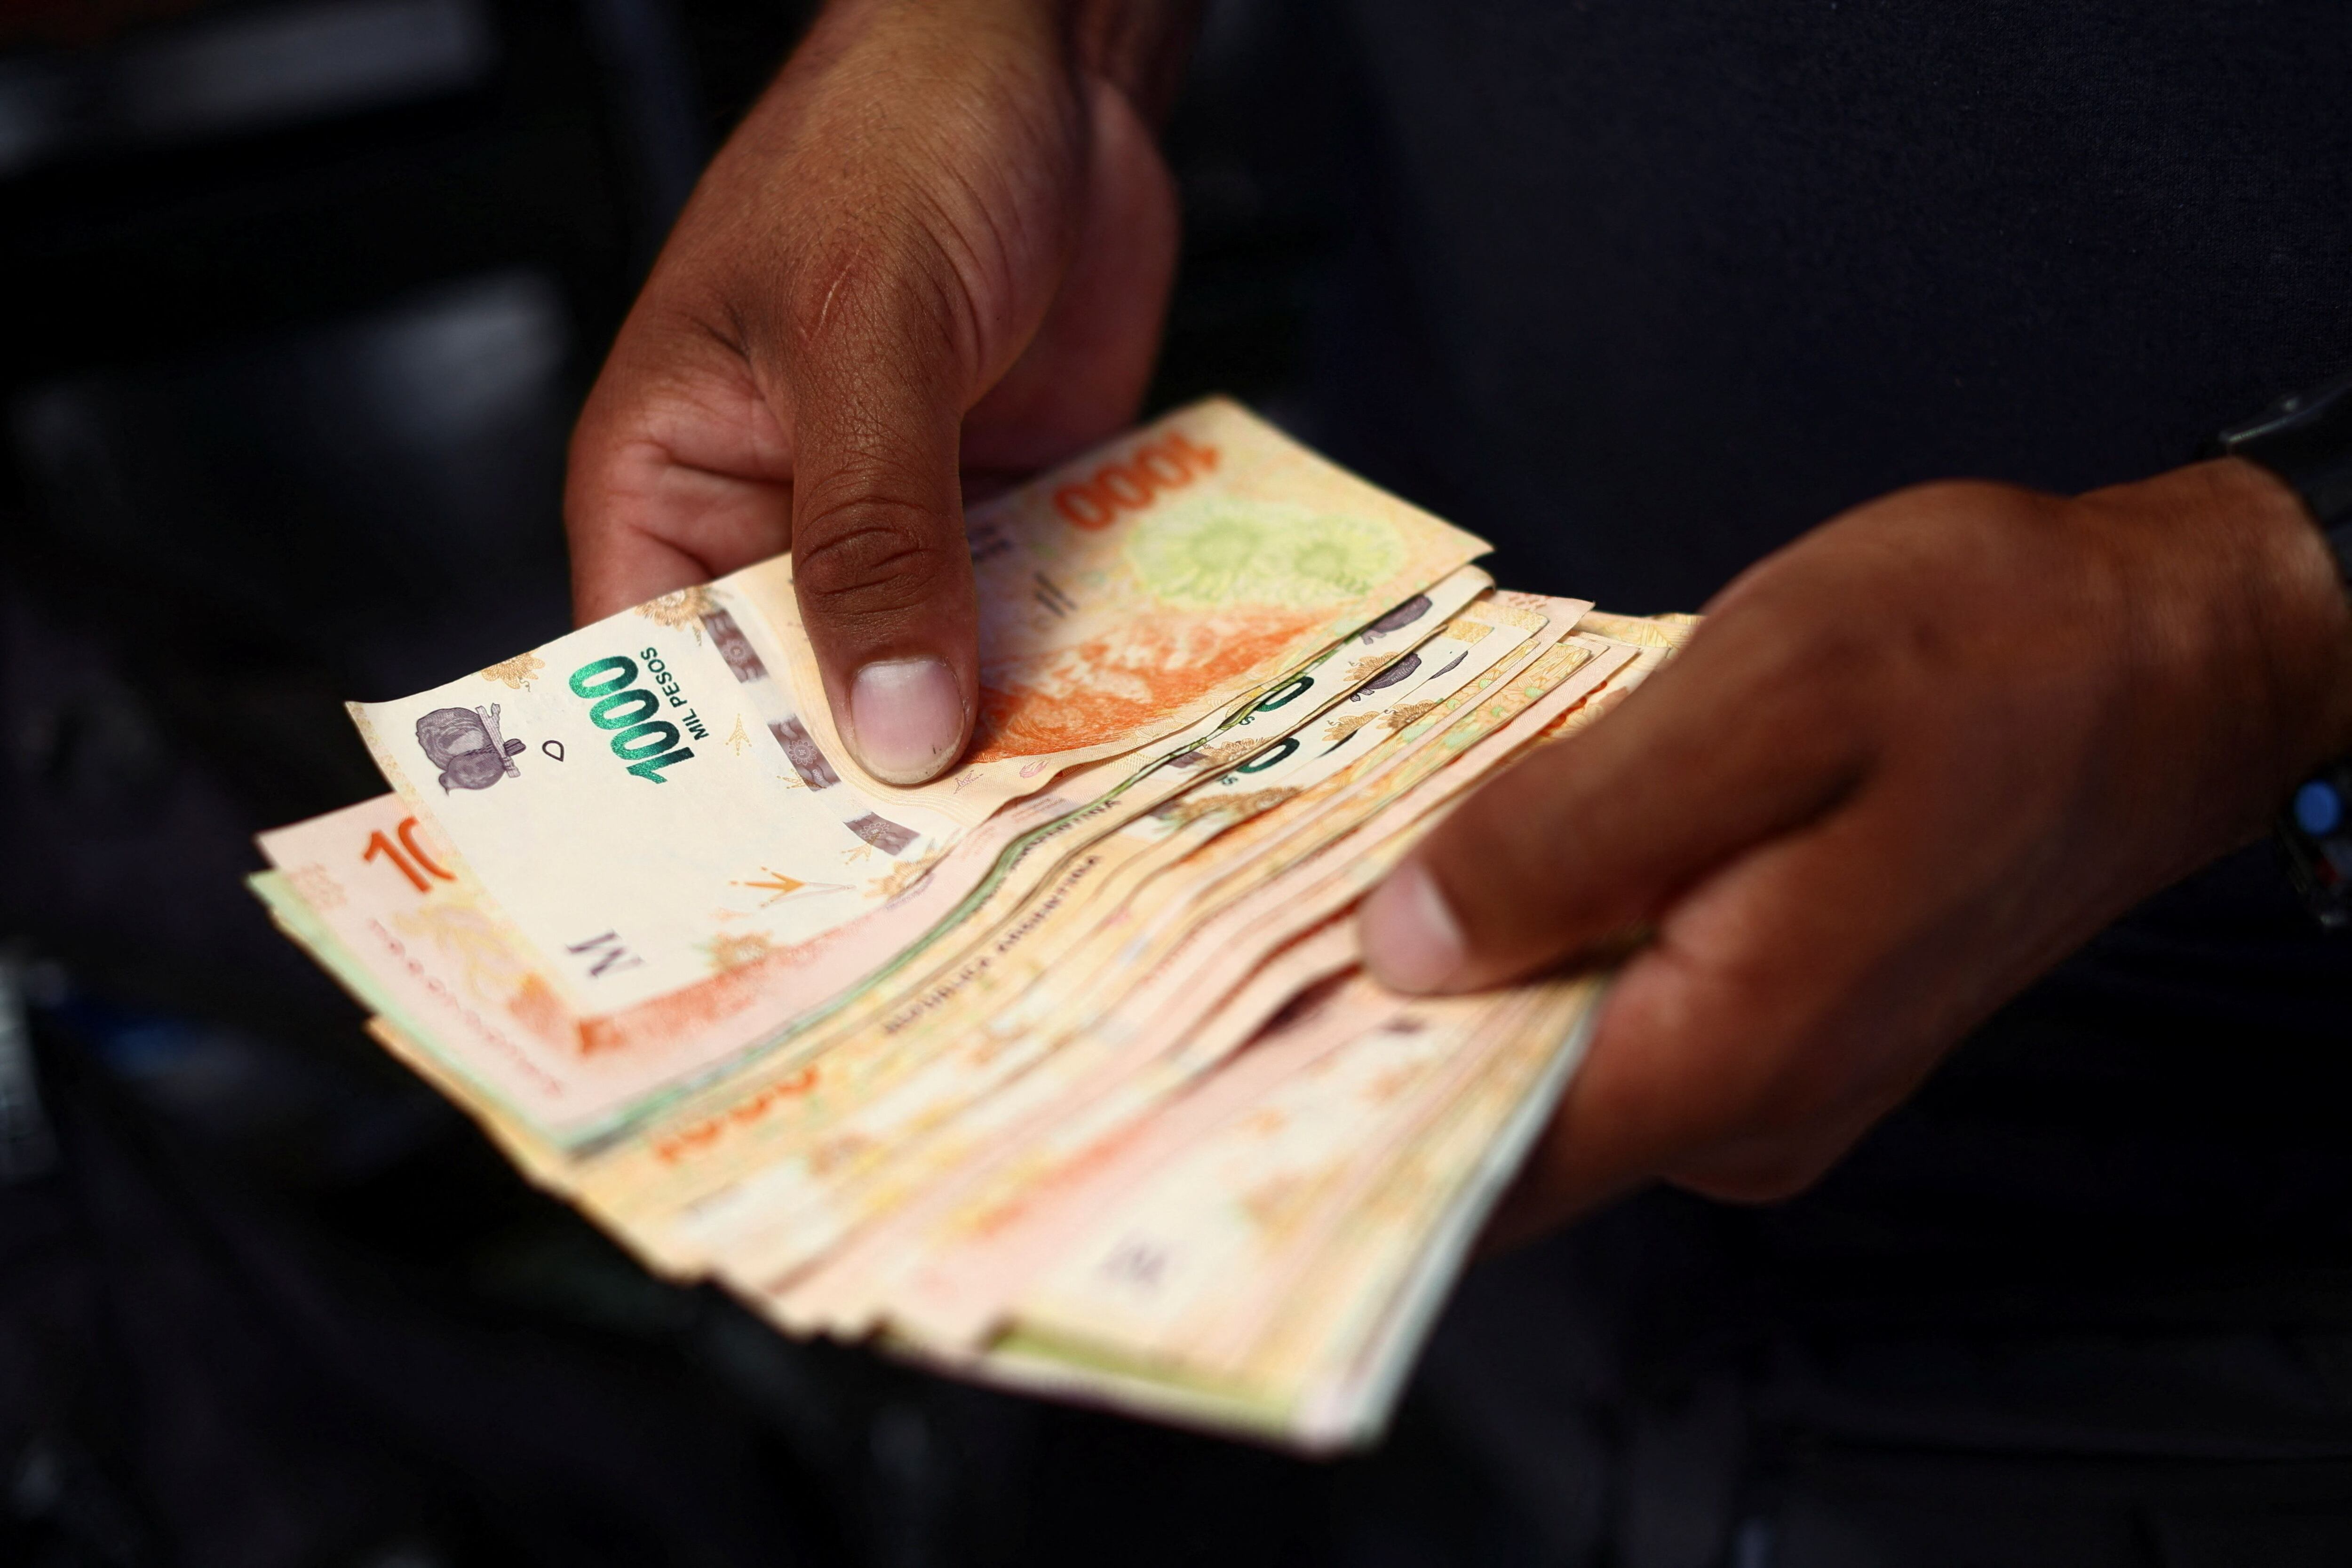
(618, 702)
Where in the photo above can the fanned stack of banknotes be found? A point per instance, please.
(1058, 1072)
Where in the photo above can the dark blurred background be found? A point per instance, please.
(298, 298)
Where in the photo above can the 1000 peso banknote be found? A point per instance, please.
(650, 801)
(1058, 1070)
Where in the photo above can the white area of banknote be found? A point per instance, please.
(643, 830)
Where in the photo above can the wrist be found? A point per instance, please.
(2256, 564)
(2308, 604)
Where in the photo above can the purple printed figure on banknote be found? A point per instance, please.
(466, 745)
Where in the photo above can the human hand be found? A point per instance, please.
(1906, 765)
(936, 254)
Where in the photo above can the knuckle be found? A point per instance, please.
(873, 282)
(1788, 1072)
(1736, 976)
(871, 556)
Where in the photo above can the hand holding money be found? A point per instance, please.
(936, 254)
(1921, 755)
(1057, 1070)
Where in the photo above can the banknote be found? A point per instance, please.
(951, 1270)
(1014, 1355)
(793, 1212)
(1060, 1072)
(954, 1056)
(1219, 1226)
(643, 821)
(1124, 594)
(406, 900)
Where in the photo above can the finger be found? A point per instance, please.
(625, 531)
(678, 472)
(1773, 1018)
(1734, 741)
(1082, 376)
(878, 380)
(1795, 995)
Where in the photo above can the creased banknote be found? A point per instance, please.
(1059, 1073)
(1127, 593)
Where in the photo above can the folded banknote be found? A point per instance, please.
(1059, 1072)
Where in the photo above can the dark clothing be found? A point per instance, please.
(1671, 283)
(1644, 291)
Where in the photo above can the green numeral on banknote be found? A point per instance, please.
(646, 744)
(623, 709)
(1274, 754)
(588, 679)
(640, 741)
(1290, 692)
(652, 765)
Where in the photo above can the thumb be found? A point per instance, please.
(884, 578)
(1598, 833)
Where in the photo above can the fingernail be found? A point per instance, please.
(906, 718)
(1411, 941)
